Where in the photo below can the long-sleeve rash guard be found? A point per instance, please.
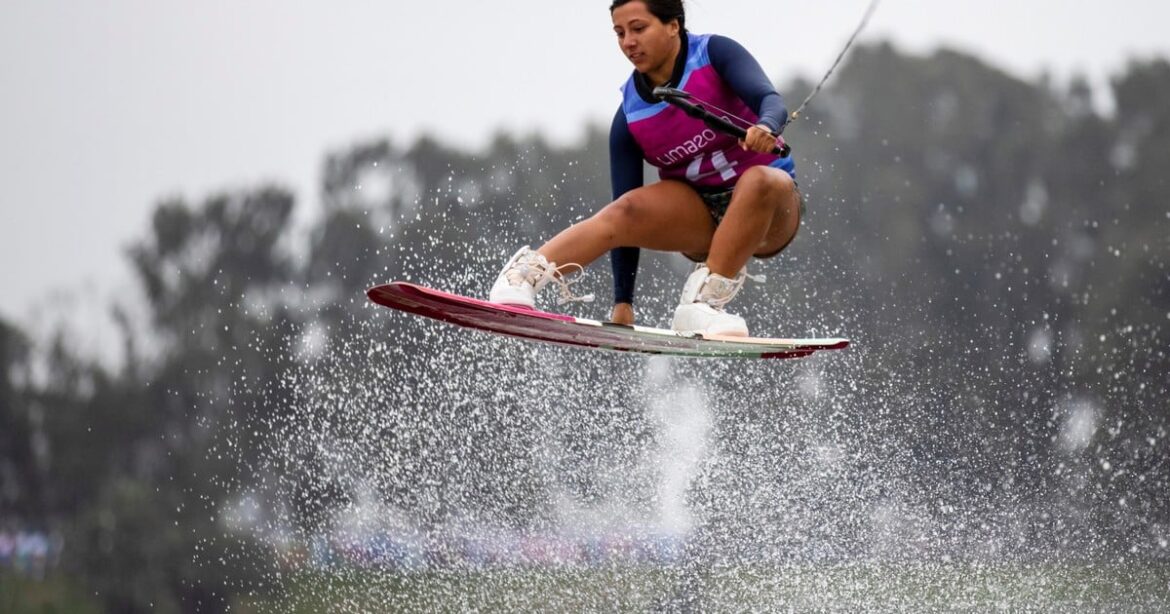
(743, 74)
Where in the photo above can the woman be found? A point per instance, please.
(720, 201)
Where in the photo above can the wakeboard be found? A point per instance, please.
(535, 325)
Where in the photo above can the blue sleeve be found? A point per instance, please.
(625, 171)
(747, 79)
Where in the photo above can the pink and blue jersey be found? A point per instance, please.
(718, 71)
(683, 147)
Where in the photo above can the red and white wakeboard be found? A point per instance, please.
(561, 329)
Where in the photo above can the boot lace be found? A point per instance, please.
(564, 286)
(718, 290)
(532, 268)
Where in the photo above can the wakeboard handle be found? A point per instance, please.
(682, 100)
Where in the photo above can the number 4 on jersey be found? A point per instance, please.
(719, 163)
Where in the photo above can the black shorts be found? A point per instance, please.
(718, 202)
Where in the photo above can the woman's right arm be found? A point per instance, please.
(625, 170)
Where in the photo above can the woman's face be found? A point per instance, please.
(646, 41)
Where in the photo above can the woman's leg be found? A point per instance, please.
(762, 218)
(666, 216)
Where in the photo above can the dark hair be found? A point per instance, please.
(665, 10)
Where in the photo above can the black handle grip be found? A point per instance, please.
(682, 100)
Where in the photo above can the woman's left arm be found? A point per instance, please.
(747, 79)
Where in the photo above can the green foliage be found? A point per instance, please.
(18, 473)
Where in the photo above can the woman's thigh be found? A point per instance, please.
(666, 216)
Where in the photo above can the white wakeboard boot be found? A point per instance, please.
(700, 308)
(523, 277)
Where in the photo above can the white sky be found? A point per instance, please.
(107, 106)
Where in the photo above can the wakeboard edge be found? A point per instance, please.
(561, 329)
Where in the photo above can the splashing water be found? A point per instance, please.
(410, 465)
(401, 464)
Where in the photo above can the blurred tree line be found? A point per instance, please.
(995, 240)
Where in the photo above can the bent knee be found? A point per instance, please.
(768, 186)
(619, 217)
(766, 177)
(621, 212)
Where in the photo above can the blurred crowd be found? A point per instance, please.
(29, 553)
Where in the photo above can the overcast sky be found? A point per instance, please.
(107, 106)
